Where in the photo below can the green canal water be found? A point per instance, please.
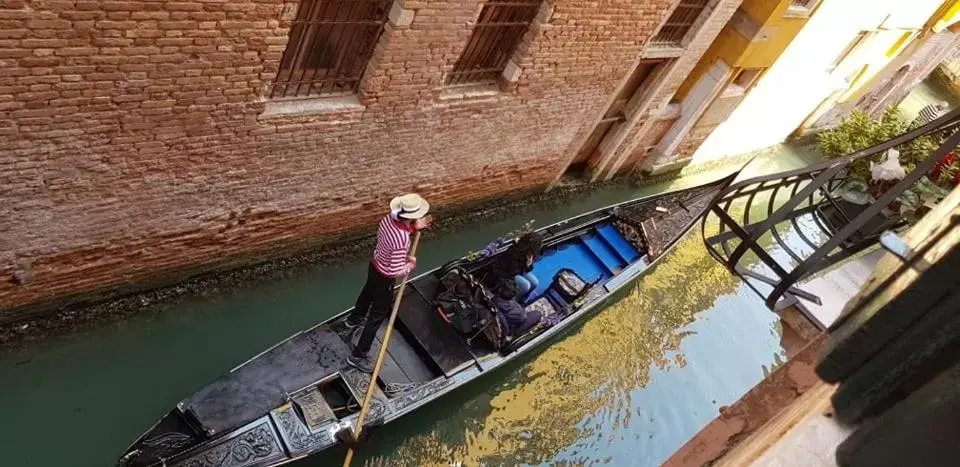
(628, 387)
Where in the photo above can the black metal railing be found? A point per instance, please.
(679, 22)
(329, 46)
(778, 229)
(499, 29)
(802, 3)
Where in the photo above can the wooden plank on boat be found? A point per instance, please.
(626, 275)
(315, 409)
(432, 333)
(405, 360)
(401, 361)
(649, 230)
(263, 383)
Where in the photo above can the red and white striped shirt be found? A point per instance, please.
(393, 246)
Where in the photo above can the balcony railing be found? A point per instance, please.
(776, 230)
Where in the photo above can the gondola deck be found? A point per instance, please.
(289, 401)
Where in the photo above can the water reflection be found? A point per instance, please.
(592, 396)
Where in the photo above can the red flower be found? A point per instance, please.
(878, 188)
(938, 169)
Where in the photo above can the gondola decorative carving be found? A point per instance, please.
(420, 392)
(360, 382)
(166, 444)
(357, 380)
(252, 447)
(297, 435)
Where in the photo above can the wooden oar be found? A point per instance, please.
(380, 356)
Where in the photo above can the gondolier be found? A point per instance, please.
(391, 261)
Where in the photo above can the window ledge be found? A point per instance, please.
(478, 91)
(315, 105)
(794, 11)
(662, 51)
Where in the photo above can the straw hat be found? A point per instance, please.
(410, 206)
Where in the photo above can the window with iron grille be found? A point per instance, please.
(330, 43)
(495, 37)
(802, 3)
(679, 23)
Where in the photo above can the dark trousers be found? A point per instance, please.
(374, 302)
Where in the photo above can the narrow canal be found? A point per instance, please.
(628, 387)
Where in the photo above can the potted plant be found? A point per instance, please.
(868, 178)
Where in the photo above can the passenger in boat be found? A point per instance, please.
(517, 263)
(391, 261)
(514, 319)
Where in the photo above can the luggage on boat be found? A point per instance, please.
(468, 306)
(568, 285)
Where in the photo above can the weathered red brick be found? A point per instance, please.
(73, 51)
(6, 33)
(15, 53)
(13, 4)
(122, 6)
(182, 6)
(177, 90)
(108, 24)
(141, 15)
(48, 24)
(37, 43)
(177, 24)
(15, 15)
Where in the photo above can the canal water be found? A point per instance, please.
(628, 387)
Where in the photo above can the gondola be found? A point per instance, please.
(295, 398)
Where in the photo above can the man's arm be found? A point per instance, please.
(423, 223)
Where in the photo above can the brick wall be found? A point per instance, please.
(133, 145)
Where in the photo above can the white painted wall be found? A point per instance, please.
(798, 82)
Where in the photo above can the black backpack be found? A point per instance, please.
(467, 305)
(456, 303)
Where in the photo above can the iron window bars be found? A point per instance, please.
(496, 35)
(679, 22)
(330, 43)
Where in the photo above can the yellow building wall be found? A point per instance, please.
(948, 15)
(728, 46)
(763, 10)
(807, 74)
(869, 59)
(762, 54)
(739, 52)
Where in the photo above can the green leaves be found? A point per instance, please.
(855, 191)
(860, 131)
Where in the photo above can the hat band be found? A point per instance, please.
(403, 211)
